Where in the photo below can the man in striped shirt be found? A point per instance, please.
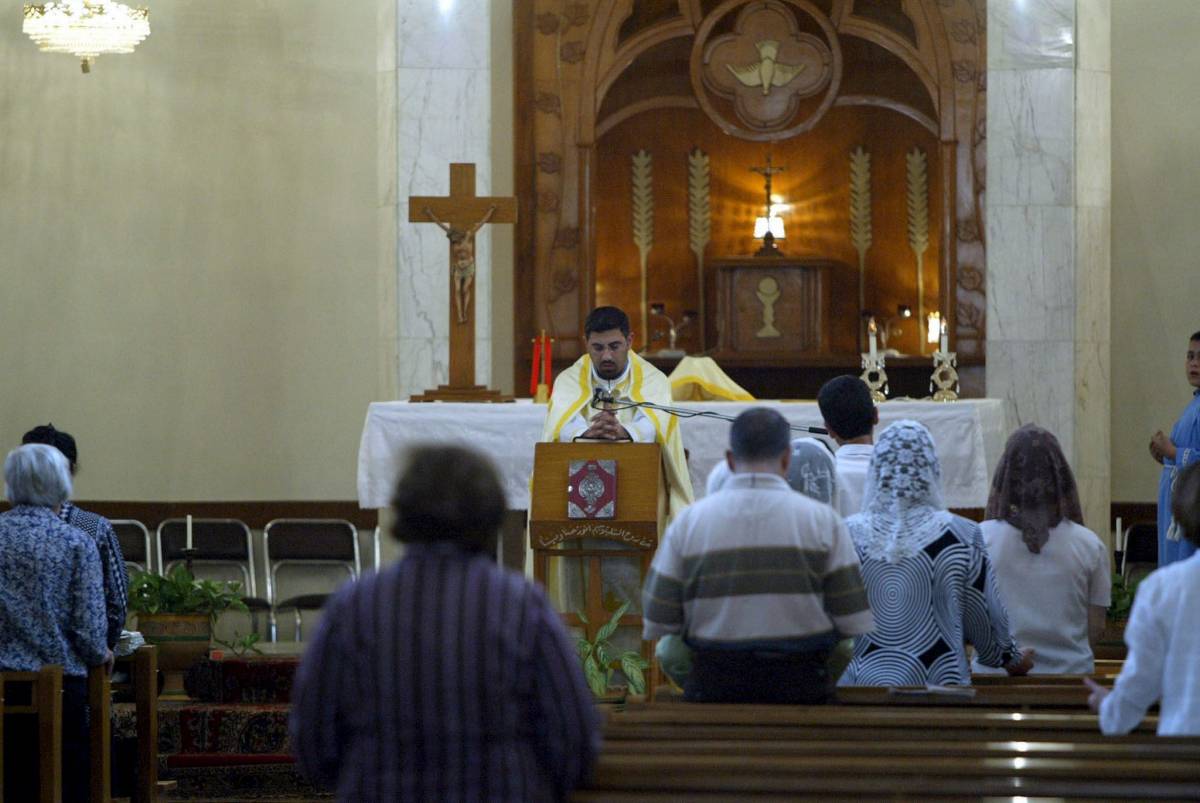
(761, 582)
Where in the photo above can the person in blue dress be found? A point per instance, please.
(1176, 453)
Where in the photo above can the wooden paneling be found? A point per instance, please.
(816, 185)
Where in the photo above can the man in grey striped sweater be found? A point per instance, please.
(759, 581)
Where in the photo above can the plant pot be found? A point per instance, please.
(182, 638)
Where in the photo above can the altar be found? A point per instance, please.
(969, 435)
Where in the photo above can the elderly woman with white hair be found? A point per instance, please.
(51, 605)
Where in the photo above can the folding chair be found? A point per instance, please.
(218, 542)
(306, 542)
(134, 538)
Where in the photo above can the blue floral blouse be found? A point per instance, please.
(51, 594)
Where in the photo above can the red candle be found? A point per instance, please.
(533, 373)
(547, 355)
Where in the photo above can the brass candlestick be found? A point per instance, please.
(945, 377)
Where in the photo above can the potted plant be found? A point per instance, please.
(1112, 642)
(177, 612)
(601, 659)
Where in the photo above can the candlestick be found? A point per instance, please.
(944, 377)
(189, 532)
(873, 371)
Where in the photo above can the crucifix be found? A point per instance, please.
(460, 215)
(768, 246)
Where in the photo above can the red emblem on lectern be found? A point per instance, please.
(592, 489)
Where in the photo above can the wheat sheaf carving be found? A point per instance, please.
(699, 217)
(643, 226)
(860, 215)
(917, 179)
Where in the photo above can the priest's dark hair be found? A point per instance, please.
(759, 433)
(604, 319)
(448, 494)
(846, 406)
(56, 438)
(1195, 336)
(1185, 502)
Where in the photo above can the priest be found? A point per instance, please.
(611, 368)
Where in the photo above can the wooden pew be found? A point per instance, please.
(143, 677)
(43, 692)
(719, 752)
(100, 734)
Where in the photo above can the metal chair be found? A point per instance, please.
(218, 542)
(306, 542)
(134, 538)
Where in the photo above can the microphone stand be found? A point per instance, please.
(602, 402)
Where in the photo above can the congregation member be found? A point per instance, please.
(927, 575)
(758, 581)
(1163, 662)
(1053, 572)
(444, 676)
(850, 417)
(611, 368)
(98, 528)
(1176, 453)
(51, 609)
(812, 471)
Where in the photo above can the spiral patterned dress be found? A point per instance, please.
(925, 607)
(926, 571)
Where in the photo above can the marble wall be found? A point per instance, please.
(1048, 224)
(435, 88)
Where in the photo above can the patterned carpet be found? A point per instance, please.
(234, 745)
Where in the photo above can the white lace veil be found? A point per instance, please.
(902, 508)
(812, 470)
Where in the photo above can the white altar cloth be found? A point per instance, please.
(969, 435)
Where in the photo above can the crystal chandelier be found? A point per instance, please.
(86, 28)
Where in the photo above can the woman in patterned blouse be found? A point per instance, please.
(927, 576)
(51, 606)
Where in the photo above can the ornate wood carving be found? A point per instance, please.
(574, 51)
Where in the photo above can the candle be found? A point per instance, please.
(189, 531)
(945, 344)
(533, 372)
(547, 354)
(871, 328)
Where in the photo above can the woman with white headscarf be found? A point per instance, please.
(927, 575)
(813, 471)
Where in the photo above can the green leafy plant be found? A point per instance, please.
(240, 645)
(601, 659)
(179, 592)
(1123, 592)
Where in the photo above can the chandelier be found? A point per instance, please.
(86, 28)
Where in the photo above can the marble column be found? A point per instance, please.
(439, 103)
(1048, 225)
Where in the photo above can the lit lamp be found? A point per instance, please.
(86, 28)
(768, 229)
(933, 328)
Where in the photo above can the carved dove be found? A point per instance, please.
(767, 72)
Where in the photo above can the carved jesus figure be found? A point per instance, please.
(462, 258)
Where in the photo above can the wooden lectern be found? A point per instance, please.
(637, 524)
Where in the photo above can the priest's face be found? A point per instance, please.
(1193, 363)
(609, 351)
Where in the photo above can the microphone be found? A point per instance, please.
(600, 396)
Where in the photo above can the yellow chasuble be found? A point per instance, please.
(573, 390)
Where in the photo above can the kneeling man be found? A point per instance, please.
(759, 581)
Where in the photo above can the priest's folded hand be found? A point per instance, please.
(606, 427)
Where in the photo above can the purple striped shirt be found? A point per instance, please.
(443, 677)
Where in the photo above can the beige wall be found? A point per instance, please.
(1155, 233)
(188, 251)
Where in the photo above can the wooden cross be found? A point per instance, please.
(460, 215)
